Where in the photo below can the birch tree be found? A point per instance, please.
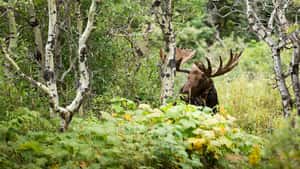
(12, 39)
(162, 11)
(275, 33)
(290, 37)
(49, 85)
(38, 40)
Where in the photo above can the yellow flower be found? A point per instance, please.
(169, 121)
(221, 131)
(222, 110)
(254, 156)
(127, 117)
(196, 143)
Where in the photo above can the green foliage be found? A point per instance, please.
(282, 148)
(253, 101)
(181, 136)
(296, 2)
(119, 133)
(293, 28)
(18, 93)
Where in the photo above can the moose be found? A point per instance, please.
(199, 87)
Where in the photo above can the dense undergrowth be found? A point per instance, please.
(138, 136)
(181, 136)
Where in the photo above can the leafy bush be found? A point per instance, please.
(282, 148)
(181, 136)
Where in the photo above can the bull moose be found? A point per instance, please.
(199, 87)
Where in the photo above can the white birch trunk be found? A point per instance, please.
(12, 25)
(295, 75)
(281, 83)
(163, 14)
(84, 79)
(49, 73)
(295, 40)
(50, 88)
(265, 34)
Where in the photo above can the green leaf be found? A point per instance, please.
(117, 108)
(187, 123)
(30, 145)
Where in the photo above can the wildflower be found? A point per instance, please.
(221, 130)
(196, 143)
(127, 117)
(254, 156)
(222, 110)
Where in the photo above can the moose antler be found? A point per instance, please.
(182, 56)
(231, 63)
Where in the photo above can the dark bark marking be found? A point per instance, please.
(48, 75)
(33, 22)
(172, 63)
(295, 69)
(168, 75)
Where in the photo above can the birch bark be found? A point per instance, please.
(295, 74)
(50, 88)
(12, 35)
(38, 41)
(163, 15)
(295, 40)
(49, 73)
(265, 34)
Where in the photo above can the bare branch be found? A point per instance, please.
(16, 67)
(271, 20)
(72, 64)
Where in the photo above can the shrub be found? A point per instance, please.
(181, 136)
(282, 148)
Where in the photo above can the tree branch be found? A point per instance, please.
(19, 71)
(82, 59)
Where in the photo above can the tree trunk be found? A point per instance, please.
(50, 88)
(12, 36)
(49, 73)
(266, 35)
(284, 25)
(295, 74)
(168, 70)
(163, 15)
(281, 83)
(38, 40)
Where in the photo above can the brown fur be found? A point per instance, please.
(199, 86)
(200, 89)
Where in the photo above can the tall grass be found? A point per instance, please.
(254, 103)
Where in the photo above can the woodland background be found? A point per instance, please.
(121, 123)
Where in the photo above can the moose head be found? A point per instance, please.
(199, 86)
